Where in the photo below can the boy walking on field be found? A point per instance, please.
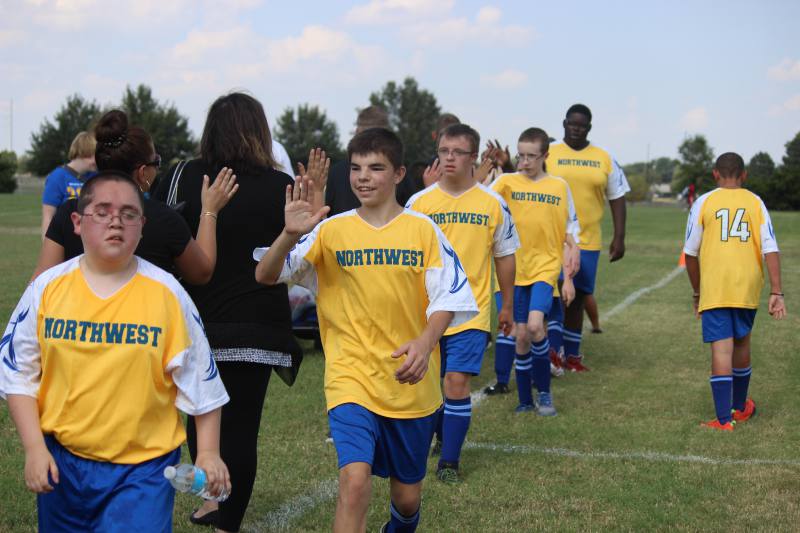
(729, 238)
(388, 285)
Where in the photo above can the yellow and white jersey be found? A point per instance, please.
(544, 214)
(109, 372)
(592, 175)
(376, 288)
(479, 225)
(730, 231)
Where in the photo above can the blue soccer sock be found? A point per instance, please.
(402, 524)
(572, 342)
(523, 373)
(741, 382)
(555, 325)
(504, 357)
(541, 365)
(721, 390)
(457, 416)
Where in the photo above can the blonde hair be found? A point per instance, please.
(83, 145)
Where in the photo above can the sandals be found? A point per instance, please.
(208, 519)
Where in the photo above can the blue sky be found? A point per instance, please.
(652, 72)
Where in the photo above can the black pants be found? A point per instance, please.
(246, 384)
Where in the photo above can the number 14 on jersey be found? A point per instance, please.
(737, 228)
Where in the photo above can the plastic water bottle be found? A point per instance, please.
(192, 480)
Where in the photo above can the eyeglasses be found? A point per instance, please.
(155, 162)
(527, 157)
(444, 152)
(126, 217)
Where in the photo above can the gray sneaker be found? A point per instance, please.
(544, 405)
(448, 473)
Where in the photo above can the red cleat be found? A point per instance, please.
(714, 424)
(575, 364)
(745, 414)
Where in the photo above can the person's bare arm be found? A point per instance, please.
(39, 462)
(616, 250)
(693, 270)
(48, 211)
(208, 457)
(777, 304)
(50, 255)
(318, 166)
(506, 268)
(418, 351)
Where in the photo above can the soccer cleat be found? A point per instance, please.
(575, 364)
(556, 366)
(745, 414)
(715, 424)
(544, 405)
(437, 448)
(448, 473)
(497, 388)
(524, 408)
(329, 437)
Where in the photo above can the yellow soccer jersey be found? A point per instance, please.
(592, 175)
(544, 213)
(108, 373)
(479, 225)
(730, 231)
(376, 287)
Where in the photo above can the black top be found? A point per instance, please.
(340, 196)
(237, 311)
(164, 234)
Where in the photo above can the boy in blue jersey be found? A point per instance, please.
(100, 354)
(388, 286)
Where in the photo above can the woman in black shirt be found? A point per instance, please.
(248, 324)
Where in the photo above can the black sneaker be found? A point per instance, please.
(448, 473)
(497, 388)
(437, 448)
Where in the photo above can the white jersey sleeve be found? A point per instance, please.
(768, 242)
(506, 238)
(694, 229)
(296, 268)
(617, 184)
(282, 160)
(447, 286)
(20, 353)
(194, 370)
(573, 225)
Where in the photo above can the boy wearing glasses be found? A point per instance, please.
(479, 225)
(592, 175)
(542, 206)
(99, 353)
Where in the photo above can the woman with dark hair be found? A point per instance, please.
(166, 239)
(248, 324)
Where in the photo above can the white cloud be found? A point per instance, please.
(695, 119)
(199, 44)
(507, 79)
(793, 103)
(392, 11)
(786, 70)
(11, 37)
(485, 28)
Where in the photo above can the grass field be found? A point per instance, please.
(625, 453)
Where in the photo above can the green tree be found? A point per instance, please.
(50, 145)
(169, 129)
(413, 113)
(760, 176)
(8, 168)
(786, 182)
(663, 169)
(640, 188)
(694, 166)
(309, 128)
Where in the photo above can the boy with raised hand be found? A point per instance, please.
(100, 351)
(388, 285)
(729, 237)
(477, 222)
(542, 207)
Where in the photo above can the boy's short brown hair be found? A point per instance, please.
(729, 165)
(462, 130)
(83, 145)
(380, 141)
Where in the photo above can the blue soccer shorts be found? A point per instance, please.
(394, 447)
(108, 497)
(585, 278)
(727, 322)
(527, 298)
(463, 351)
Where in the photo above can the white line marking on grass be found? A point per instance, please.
(635, 295)
(626, 456)
(281, 518)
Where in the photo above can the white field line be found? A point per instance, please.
(635, 295)
(627, 456)
(281, 518)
